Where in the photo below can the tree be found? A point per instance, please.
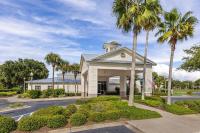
(176, 27)
(12, 73)
(75, 69)
(53, 60)
(192, 61)
(150, 21)
(64, 67)
(128, 14)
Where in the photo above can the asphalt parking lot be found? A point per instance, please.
(16, 114)
(116, 129)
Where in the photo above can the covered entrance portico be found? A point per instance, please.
(96, 70)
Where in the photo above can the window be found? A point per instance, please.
(123, 55)
(38, 88)
(49, 87)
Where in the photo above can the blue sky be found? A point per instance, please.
(33, 28)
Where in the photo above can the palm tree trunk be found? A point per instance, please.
(63, 74)
(145, 65)
(53, 77)
(170, 76)
(132, 85)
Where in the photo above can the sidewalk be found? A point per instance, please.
(16, 99)
(169, 123)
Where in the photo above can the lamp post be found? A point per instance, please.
(31, 74)
(24, 84)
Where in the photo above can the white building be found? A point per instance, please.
(44, 84)
(97, 71)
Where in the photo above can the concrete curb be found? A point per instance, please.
(96, 126)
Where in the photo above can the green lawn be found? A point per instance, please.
(180, 92)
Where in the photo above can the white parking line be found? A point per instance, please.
(20, 116)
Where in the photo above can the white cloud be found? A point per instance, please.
(163, 69)
(80, 4)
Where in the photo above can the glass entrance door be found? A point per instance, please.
(102, 87)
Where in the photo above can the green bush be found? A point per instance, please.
(152, 103)
(9, 93)
(83, 111)
(189, 92)
(113, 115)
(17, 89)
(105, 98)
(58, 92)
(24, 95)
(31, 123)
(56, 121)
(7, 124)
(191, 104)
(97, 116)
(52, 110)
(72, 108)
(34, 93)
(177, 109)
(82, 101)
(67, 113)
(78, 119)
(70, 94)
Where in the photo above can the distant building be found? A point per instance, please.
(44, 84)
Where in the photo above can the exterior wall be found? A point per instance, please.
(68, 87)
(92, 81)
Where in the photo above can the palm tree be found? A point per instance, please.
(150, 21)
(52, 59)
(176, 27)
(63, 66)
(75, 69)
(128, 14)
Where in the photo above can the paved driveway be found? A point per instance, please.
(35, 106)
(116, 129)
(181, 98)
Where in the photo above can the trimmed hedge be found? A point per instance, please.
(31, 123)
(97, 116)
(34, 93)
(9, 93)
(7, 124)
(78, 119)
(177, 109)
(113, 115)
(56, 121)
(72, 108)
(52, 110)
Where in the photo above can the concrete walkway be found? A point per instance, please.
(169, 123)
(16, 99)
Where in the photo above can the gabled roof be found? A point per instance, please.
(100, 58)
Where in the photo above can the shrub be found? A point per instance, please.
(177, 109)
(78, 119)
(152, 103)
(83, 111)
(70, 94)
(72, 108)
(56, 121)
(7, 124)
(58, 92)
(17, 89)
(67, 113)
(191, 104)
(49, 92)
(189, 92)
(31, 123)
(52, 110)
(97, 116)
(24, 95)
(82, 101)
(9, 93)
(113, 115)
(105, 98)
(34, 93)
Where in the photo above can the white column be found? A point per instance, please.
(92, 81)
(149, 82)
(123, 80)
(82, 85)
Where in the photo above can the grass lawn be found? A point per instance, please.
(180, 92)
(179, 108)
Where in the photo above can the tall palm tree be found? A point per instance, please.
(151, 19)
(75, 69)
(53, 60)
(176, 27)
(63, 66)
(128, 14)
